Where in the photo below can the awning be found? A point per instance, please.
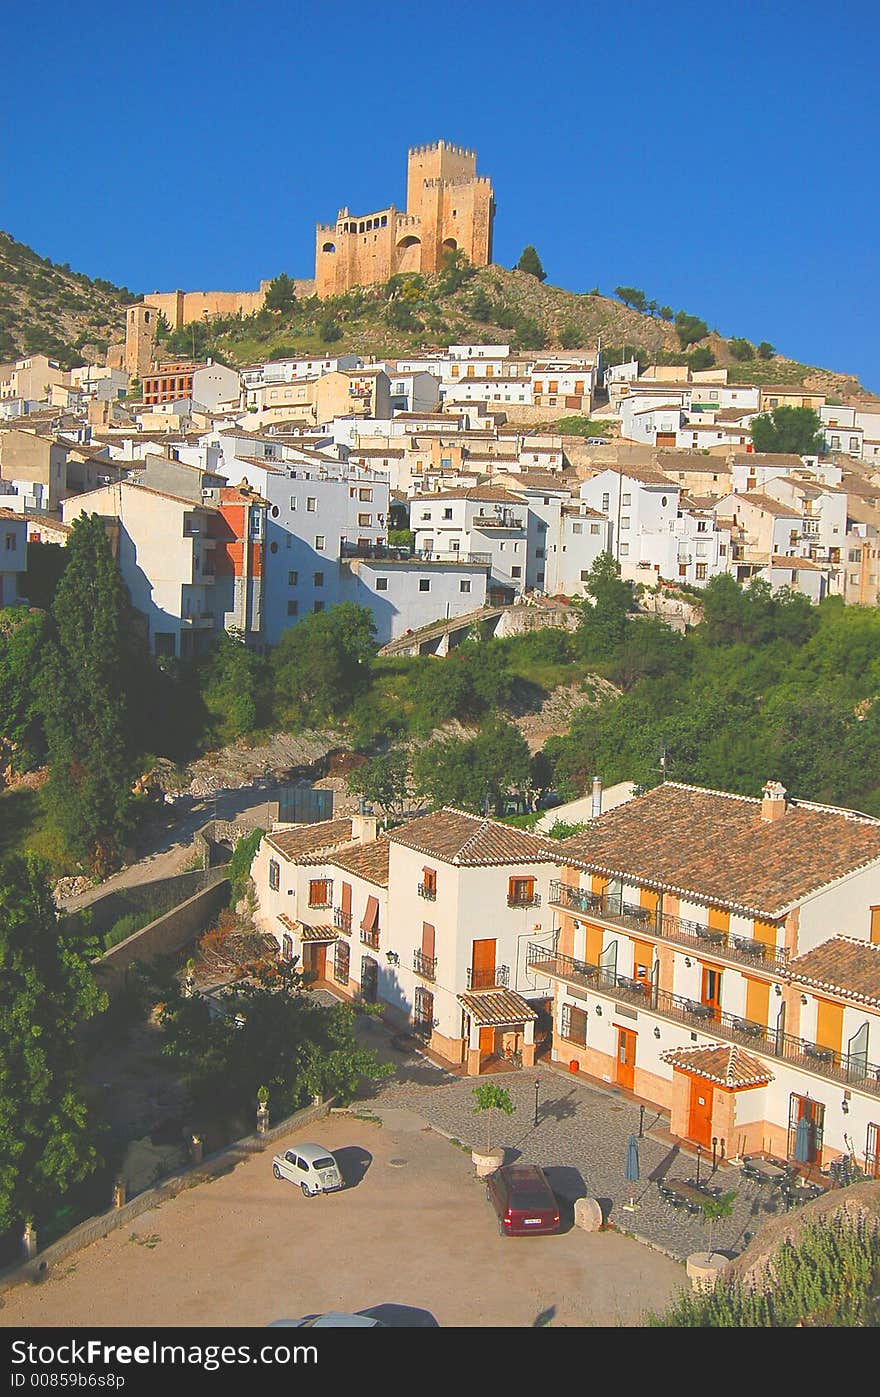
(317, 933)
(286, 922)
(727, 1065)
(498, 1008)
(371, 916)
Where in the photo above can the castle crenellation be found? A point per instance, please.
(449, 207)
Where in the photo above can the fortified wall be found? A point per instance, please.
(448, 206)
(183, 307)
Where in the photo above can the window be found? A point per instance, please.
(319, 606)
(319, 543)
(835, 443)
(701, 572)
(624, 523)
(341, 962)
(293, 502)
(274, 875)
(624, 550)
(594, 528)
(11, 542)
(606, 501)
(574, 1024)
(319, 579)
(853, 443)
(424, 584)
(447, 514)
(516, 572)
(320, 892)
(464, 585)
(702, 526)
(428, 889)
(585, 575)
(311, 504)
(521, 892)
(365, 495)
(539, 552)
(364, 521)
(577, 528)
(292, 578)
(855, 555)
(292, 607)
(381, 584)
(626, 501)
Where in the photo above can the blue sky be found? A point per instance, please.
(724, 162)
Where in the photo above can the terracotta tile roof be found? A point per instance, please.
(488, 493)
(369, 861)
(724, 1063)
(317, 933)
(294, 844)
(497, 1007)
(842, 965)
(714, 847)
(785, 511)
(468, 841)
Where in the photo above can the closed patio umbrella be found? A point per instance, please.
(631, 1172)
(803, 1142)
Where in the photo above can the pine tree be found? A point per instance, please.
(530, 262)
(47, 989)
(83, 684)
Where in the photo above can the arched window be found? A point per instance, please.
(329, 247)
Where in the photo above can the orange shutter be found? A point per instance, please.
(599, 884)
(758, 1001)
(346, 898)
(766, 932)
(829, 1024)
(428, 940)
(875, 925)
(719, 919)
(648, 898)
(594, 944)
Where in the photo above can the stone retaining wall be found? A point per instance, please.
(97, 1227)
(167, 934)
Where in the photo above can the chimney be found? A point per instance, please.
(774, 802)
(364, 828)
(597, 797)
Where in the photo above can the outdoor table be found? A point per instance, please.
(820, 1054)
(765, 1171)
(796, 1193)
(754, 1030)
(705, 934)
(684, 1193)
(701, 1011)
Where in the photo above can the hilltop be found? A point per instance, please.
(489, 305)
(49, 309)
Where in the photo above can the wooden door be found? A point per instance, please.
(487, 1042)
(626, 1058)
(346, 899)
(711, 993)
(719, 919)
(829, 1024)
(593, 944)
(758, 1001)
(700, 1115)
(319, 961)
(483, 965)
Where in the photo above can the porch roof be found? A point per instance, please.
(497, 1008)
(317, 933)
(723, 1063)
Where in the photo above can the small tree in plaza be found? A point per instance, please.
(490, 1097)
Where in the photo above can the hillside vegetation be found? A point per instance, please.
(49, 309)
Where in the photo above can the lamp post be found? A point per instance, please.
(699, 1159)
(537, 1085)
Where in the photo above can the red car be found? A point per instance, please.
(523, 1199)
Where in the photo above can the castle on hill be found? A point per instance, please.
(448, 206)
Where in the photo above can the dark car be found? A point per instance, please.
(523, 1199)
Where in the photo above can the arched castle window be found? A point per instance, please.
(329, 247)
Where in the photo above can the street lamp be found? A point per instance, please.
(537, 1085)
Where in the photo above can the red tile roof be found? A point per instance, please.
(455, 837)
(723, 1063)
(368, 861)
(294, 844)
(714, 847)
(842, 965)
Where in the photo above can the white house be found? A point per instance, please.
(13, 555)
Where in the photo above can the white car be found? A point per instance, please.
(311, 1166)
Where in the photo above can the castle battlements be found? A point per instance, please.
(370, 248)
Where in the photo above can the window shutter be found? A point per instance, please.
(427, 940)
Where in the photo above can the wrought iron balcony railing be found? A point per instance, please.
(341, 920)
(850, 1069)
(370, 938)
(531, 900)
(682, 931)
(497, 979)
(428, 891)
(425, 965)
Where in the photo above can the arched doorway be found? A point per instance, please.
(409, 254)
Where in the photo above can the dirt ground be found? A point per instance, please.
(412, 1227)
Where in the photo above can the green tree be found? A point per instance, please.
(714, 1209)
(456, 269)
(741, 349)
(701, 357)
(24, 636)
(269, 1034)
(480, 306)
(631, 296)
(320, 665)
(765, 350)
(84, 701)
(233, 681)
(476, 774)
(490, 1097)
(384, 781)
(280, 294)
(329, 330)
(666, 312)
(795, 430)
(47, 990)
(689, 329)
(604, 614)
(530, 262)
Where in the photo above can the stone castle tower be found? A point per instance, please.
(448, 206)
(140, 339)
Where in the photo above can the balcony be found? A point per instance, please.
(428, 891)
(534, 900)
(425, 966)
(850, 1070)
(370, 938)
(680, 931)
(341, 920)
(495, 979)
